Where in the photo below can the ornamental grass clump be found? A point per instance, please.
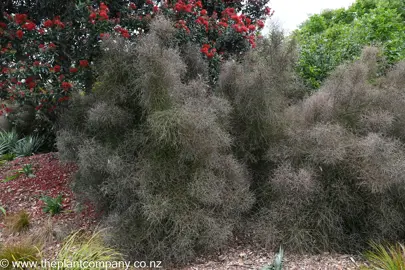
(339, 178)
(154, 152)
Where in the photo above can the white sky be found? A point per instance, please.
(290, 13)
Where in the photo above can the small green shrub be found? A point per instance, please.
(7, 141)
(78, 247)
(27, 146)
(52, 206)
(391, 257)
(27, 170)
(8, 157)
(334, 37)
(17, 222)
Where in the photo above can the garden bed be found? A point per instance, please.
(53, 178)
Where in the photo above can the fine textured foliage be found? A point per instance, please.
(81, 248)
(390, 257)
(154, 152)
(339, 177)
(17, 222)
(19, 252)
(259, 88)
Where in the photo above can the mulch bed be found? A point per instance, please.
(52, 178)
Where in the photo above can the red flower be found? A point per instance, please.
(84, 63)
(28, 80)
(19, 34)
(41, 46)
(103, 6)
(48, 24)
(103, 14)
(41, 31)
(51, 46)
(56, 68)
(36, 63)
(58, 23)
(4, 70)
(3, 25)
(31, 85)
(73, 70)
(124, 33)
(132, 6)
(203, 12)
(66, 85)
(260, 23)
(149, 2)
(7, 109)
(93, 16)
(267, 11)
(104, 35)
(155, 9)
(20, 18)
(29, 26)
(236, 18)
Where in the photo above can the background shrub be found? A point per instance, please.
(154, 152)
(329, 39)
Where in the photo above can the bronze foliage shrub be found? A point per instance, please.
(339, 180)
(177, 166)
(154, 151)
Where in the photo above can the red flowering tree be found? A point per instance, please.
(45, 58)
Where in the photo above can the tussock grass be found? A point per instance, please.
(17, 222)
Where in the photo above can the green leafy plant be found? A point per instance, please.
(27, 170)
(7, 157)
(3, 210)
(78, 247)
(277, 263)
(333, 37)
(391, 257)
(52, 205)
(7, 141)
(17, 222)
(27, 146)
(12, 177)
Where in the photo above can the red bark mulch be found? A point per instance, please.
(52, 178)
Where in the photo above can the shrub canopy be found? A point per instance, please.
(334, 36)
(154, 151)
